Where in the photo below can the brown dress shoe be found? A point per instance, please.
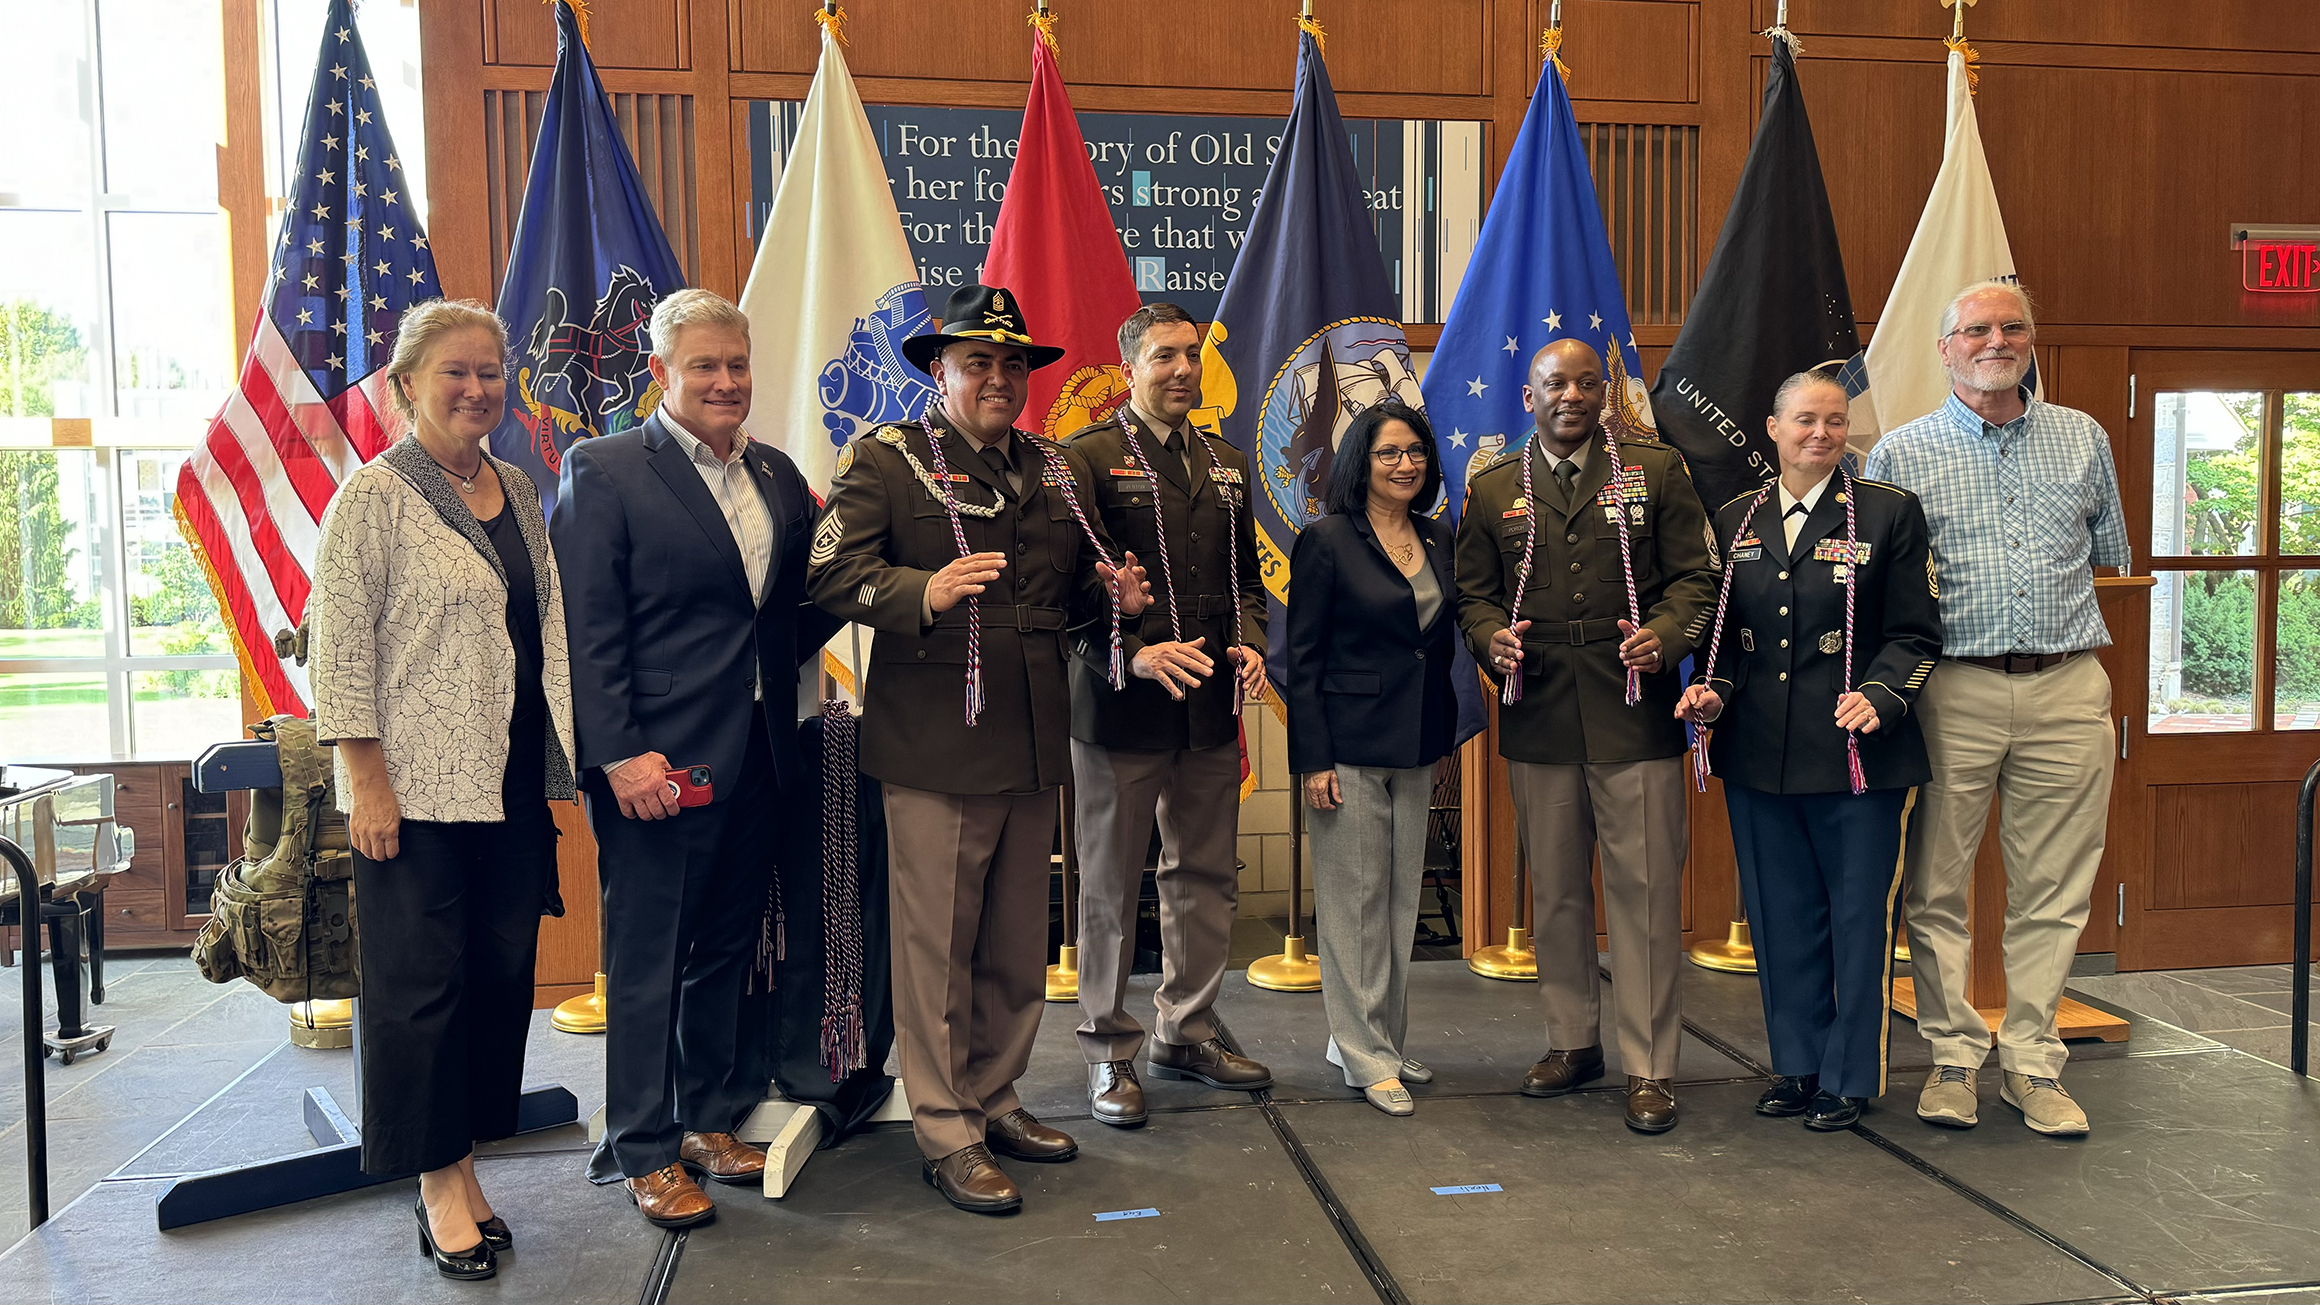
(971, 1180)
(1563, 1071)
(723, 1157)
(1114, 1095)
(1019, 1135)
(1651, 1104)
(669, 1198)
(1208, 1062)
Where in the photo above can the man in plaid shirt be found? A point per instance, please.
(2023, 502)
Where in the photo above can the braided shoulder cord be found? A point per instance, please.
(1860, 780)
(1510, 692)
(1231, 498)
(1700, 766)
(843, 1047)
(950, 502)
(1626, 555)
(1057, 476)
(1131, 446)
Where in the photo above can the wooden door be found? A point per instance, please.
(2220, 473)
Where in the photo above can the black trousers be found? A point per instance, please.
(450, 928)
(683, 901)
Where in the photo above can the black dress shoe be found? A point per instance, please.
(1830, 1113)
(971, 1180)
(1208, 1062)
(1788, 1095)
(1563, 1071)
(475, 1263)
(1023, 1137)
(496, 1234)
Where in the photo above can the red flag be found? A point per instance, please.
(1055, 247)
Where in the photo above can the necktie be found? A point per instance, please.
(997, 462)
(1567, 475)
(1792, 522)
(1175, 446)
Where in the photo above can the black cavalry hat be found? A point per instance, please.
(979, 312)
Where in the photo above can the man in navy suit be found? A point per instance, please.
(682, 547)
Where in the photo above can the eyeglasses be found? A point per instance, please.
(1394, 457)
(1981, 331)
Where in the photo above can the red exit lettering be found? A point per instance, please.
(2280, 269)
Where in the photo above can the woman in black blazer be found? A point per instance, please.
(1372, 629)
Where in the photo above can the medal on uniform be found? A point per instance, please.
(1832, 643)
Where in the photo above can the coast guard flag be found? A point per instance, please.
(1305, 337)
(349, 259)
(590, 261)
(833, 294)
(1772, 303)
(1960, 239)
(1054, 246)
(1541, 272)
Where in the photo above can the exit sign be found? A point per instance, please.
(2269, 267)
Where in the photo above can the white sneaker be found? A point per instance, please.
(1950, 1097)
(2045, 1107)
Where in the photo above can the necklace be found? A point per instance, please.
(466, 482)
(1401, 553)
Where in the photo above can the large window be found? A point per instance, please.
(2235, 552)
(118, 344)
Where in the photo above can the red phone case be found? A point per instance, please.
(690, 786)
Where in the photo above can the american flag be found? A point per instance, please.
(350, 258)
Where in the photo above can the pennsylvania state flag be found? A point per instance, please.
(1306, 337)
(1541, 272)
(1772, 303)
(590, 261)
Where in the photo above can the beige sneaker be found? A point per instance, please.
(2045, 1107)
(1949, 1098)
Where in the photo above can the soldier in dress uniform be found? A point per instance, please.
(1826, 630)
(972, 549)
(1605, 540)
(1168, 742)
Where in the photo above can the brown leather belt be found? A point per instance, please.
(1570, 632)
(2021, 663)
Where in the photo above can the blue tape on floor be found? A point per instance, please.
(1109, 1215)
(1468, 1190)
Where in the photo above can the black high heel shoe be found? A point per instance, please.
(496, 1234)
(475, 1263)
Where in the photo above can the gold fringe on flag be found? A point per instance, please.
(832, 17)
(579, 14)
(1044, 22)
(1311, 26)
(1550, 49)
(1957, 42)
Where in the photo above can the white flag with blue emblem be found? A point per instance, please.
(833, 294)
(1960, 239)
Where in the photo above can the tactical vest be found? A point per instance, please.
(283, 915)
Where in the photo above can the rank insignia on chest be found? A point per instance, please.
(1832, 643)
(1629, 484)
(1838, 551)
(1747, 639)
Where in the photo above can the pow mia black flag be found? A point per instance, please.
(1772, 302)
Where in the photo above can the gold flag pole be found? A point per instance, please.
(1517, 961)
(1292, 970)
(1063, 976)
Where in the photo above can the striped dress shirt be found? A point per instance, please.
(2019, 514)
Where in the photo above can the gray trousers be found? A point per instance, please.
(1368, 856)
(1632, 816)
(1195, 795)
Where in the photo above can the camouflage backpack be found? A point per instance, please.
(283, 915)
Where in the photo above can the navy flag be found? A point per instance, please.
(1307, 324)
(1772, 303)
(590, 261)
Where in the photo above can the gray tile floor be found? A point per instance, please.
(2196, 1184)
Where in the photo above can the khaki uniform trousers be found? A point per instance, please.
(2046, 743)
(967, 894)
(1195, 795)
(1632, 814)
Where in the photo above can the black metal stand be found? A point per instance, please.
(2300, 1000)
(334, 1164)
(35, 1073)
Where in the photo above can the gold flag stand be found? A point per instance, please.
(1517, 961)
(322, 1025)
(1292, 970)
(1063, 976)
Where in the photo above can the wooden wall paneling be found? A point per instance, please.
(1631, 49)
(712, 155)
(1647, 180)
(621, 33)
(459, 217)
(2222, 845)
(2251, 25)
(1878, 127)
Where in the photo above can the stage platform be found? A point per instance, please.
(2201, 1181)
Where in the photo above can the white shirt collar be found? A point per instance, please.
(1811, 499)
(692, 445)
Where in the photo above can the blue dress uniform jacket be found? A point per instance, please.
(1781, 665)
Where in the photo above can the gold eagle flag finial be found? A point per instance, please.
(1957, 42)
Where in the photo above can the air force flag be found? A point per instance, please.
(1541, 272)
